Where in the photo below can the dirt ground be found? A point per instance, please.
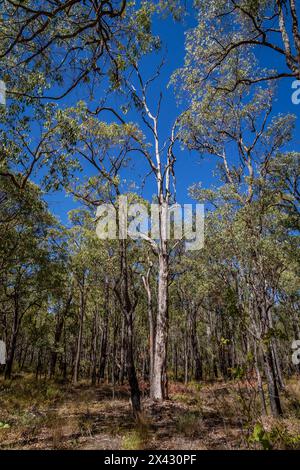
(43, 415)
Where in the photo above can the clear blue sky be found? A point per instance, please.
(189, 168)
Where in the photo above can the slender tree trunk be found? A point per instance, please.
(79, 338)
(64, 365)
(114, 353)
(275, 355)
(24, 356)
(10, 356)
(103, 354)
(186, 362)
(38, 370)
(277, 365)
(131, 372)
(295, 322)
(13, 341)
(122, 353)
(95, 332)
(128, 307)
(57, 335)
(146, 281)
(176, 362)
(195, 346)
(151, 343)
(272, 383)
(161, 334)
(259, 381)
(264, 317)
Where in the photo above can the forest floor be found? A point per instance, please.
(219, 415)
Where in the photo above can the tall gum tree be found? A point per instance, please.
(237, 129)
(243, 28)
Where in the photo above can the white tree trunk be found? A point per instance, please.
(161, 338)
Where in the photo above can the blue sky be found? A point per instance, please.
(189, 167)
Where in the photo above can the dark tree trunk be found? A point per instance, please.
(176, 362)
(194, 341)
(57, 336)
(128, 305)
(103, 353)
(131, 372)
(123, 353)
(80, 333)
(146, 281)
(95, 332)
(259, 382)
(24, 356)
(272, 383)
(10, 356)
(13, 340)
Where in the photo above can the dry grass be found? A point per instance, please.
(45, 415)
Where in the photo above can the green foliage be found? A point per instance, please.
(238, 372)
(260, 436)
(137, 439)
(4, 425)
(278, 437)
(229, 303)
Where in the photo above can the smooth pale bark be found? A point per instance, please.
(162, 168)
(146, 282)
(159, 385)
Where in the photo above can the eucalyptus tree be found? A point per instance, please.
(238, 132)
(239, 29)
(25, 259)
(284, 180)
(160, 158)
(62, 309)
(50, 49)
(99, 139)
(234, 122)
(53, 49)
(46, 45)
(83, 141)
(206, 295)
(92, 255)
(62, 44)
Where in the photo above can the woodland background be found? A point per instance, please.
(142, 344)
